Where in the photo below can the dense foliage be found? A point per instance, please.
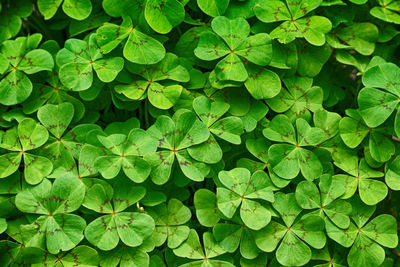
(199, 133)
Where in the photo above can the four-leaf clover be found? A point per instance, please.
(312, 28)
(29, 135)
(294, 235)
(78, 59)
(132, 228)
(242, 189)
(19, 58)
(289, 158)
(56, 229)
(231, 40)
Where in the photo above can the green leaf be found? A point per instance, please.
(256, 49)
(209, 111)
(287, 207)
(131, 227)
(77, 9)
(36, 168)
(307, 195)
(48, 8)
(162, 16)
(229, 129)
(141, 48)
(314, 29)
(271, 11)
(365, 252)
(268, 238)
(382, 229)
(15, 88)
(108, 69)
(392, 177)
(353, 130)
(262, 83)
(242, 189)
(56, 118)
(81, 255)
(189, 131)
(65, 195)
(210, 47)
(376, 105)
(231, 68)
(9, 164)
(59, 232)
(213, 8)
(169, 220)
(292, 251)
(387, 11)
(360, 36)
(205, 203)
(31, 134)
(233, 32)
(164, 97)
(35, 61)
(280, 129)
(298, 99)
(192, 249)
(254, 215)
(299, 9)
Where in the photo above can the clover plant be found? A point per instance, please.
(155, 133)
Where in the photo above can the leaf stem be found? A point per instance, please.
(146, 115)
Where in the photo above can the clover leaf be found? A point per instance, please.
(359, 176)
(213, 8)
(199, 133)
(18, 59)
(231, 40)
(387, 11)
(140, 48)
(50, 90)
(365, 238)
(205, 203)
(132, 228)
(294, 235)
(169, 220)
(325, 199)
(163, 15)
(79, 256)
(175, 136)
(11, 16)
(258, 146)
(157, 82)
(29, 135)
(14, 254)
(290, 157)
(242, 189)
(332, 256)
(76, 9)
(127, 153)
(126, 256)
(360, 36)
(228, 128)
(377, 105)
(392, 172)
(62, 148)
(353, 131)
(295, 25)
(78, 59)
(56, 229)
(298, 99)
(192, 249)
(233, 234)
